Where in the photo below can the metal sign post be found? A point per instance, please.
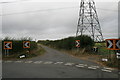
(7, 46)
(5, 52)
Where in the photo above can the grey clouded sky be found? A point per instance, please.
(53, 20)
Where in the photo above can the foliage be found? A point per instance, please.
(69, 43)
(17, 45)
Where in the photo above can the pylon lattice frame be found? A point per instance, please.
(88, 22)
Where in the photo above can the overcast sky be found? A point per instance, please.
(55, 19)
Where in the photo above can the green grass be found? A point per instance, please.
(34, 53)
(109, 54)
(103, 49)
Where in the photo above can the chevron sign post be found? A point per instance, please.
(117, 44)
(7, 45)
(113, 44)
(26, 44)
(77, 43)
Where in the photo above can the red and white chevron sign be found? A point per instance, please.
(77, 43)
(7, 45)
(26, 44)
(113, 44)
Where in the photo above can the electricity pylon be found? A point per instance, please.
(88, 23)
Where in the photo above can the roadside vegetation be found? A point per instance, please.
(110, 55)
(86, 50)
(18, 50)
(69, 43)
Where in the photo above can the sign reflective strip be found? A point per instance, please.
(78, 44)
(7, 45)
(118, 44)
(26, 44)
(110, 44)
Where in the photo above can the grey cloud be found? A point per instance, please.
(52, 24)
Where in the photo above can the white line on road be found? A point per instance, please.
(92, 68)
(8, 61)
(28, 61)
(69, 64)
(81, 65)
(96, 66)
(38, 62)
(18, 61)
(106, 70)
(58, 63)
(48, 62)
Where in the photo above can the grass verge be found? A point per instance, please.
(34, 53)
(95, 57)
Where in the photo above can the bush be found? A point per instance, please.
(17, 45)
(69, 43)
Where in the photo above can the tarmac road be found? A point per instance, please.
(54, 64)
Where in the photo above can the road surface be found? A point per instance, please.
(54, 64)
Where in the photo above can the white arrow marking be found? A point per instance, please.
(7, 45)
(110, 44)
(77, 43)
(26, 44)
(118, 44)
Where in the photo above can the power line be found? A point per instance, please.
(37, 11)
(53, 9)
(107, 9)
(12, 1)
